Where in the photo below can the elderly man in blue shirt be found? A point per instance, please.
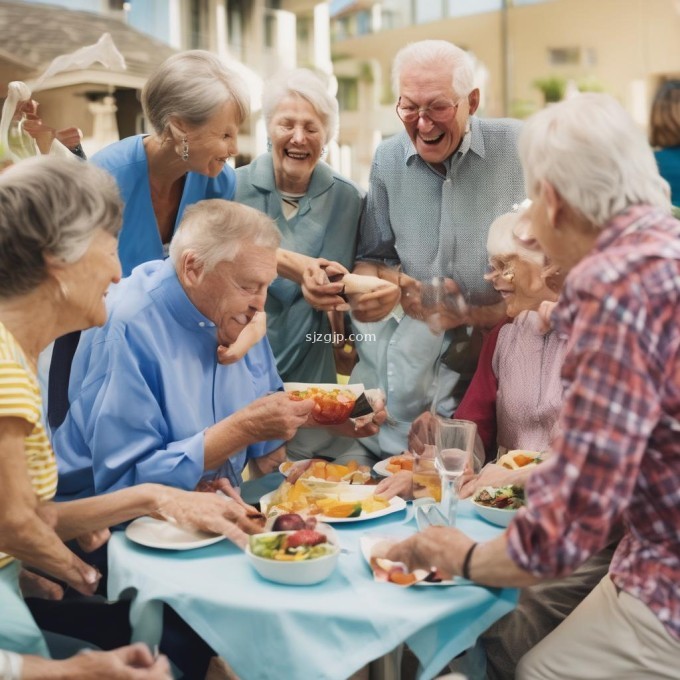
(434, 190)
(149, 400)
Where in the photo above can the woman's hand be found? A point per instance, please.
(317, 288)
(34, 585)
(492, 475)
(421, 432)
(134, 662)
(212, 513)
(398, 484)
(92, 540)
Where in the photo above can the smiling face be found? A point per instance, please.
(88, 279)
(519, 281)
(214, 142)
(420, 87)
(231, 293)
(297, 134)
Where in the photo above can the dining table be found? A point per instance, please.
(327, 631)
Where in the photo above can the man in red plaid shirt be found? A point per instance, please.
(601, 212)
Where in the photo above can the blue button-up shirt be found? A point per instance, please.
(145, 387)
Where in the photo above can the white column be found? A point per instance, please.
(322, 38)
(175, 23)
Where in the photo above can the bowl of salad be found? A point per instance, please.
(296, 558)
(499, 505)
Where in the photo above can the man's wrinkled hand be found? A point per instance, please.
(277, 416)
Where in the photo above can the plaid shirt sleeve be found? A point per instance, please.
(611, 407)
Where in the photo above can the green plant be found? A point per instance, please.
(590, 84)
(552, 88)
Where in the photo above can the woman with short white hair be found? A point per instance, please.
(317, 211)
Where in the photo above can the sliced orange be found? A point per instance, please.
(343, 509)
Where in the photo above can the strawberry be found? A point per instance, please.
(305, 537)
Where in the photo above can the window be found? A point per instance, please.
(198, 29)
(348, 94)
(364, 24)
(563, 56)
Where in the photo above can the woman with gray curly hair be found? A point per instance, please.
(317, 211)
(59, 224)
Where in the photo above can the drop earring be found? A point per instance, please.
(185, 149)
(269, 145)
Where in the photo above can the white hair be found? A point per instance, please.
(214, 230)
(502, 240)
(592, 153)
(308, 85)
(192, 86)
(51, 205)
(426, 53)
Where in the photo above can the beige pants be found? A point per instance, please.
(609, 635)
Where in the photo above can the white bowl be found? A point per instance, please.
(499, 516)
(302, 573)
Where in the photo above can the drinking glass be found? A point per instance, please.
(422, 444)
(455, 443)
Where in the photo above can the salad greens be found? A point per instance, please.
(504, 497)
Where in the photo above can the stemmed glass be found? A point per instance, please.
(455, 443)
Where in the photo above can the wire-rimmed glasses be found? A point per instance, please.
(439, 111)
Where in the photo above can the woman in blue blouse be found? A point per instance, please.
(317, 211)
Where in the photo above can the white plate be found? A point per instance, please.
(348, 492)
(156, 533)
(366, 544)
(498, 516)
(380, 468)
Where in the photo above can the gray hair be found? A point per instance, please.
(502, 240)
(215, 229)
(590, 150)
(51, 206)
(308, 85)
(192, 86)
(425, 53)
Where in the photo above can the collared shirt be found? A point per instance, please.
(139, 240)
(325, 225)
(145, 387)
(617, 455)
(431, 225)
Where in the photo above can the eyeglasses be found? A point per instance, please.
(500, 267)
(438, 112)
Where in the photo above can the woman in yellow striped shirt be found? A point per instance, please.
(58, 255)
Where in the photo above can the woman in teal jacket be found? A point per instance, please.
(317, 211)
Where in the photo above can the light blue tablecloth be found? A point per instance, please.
(18, 631)
(327, 631)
